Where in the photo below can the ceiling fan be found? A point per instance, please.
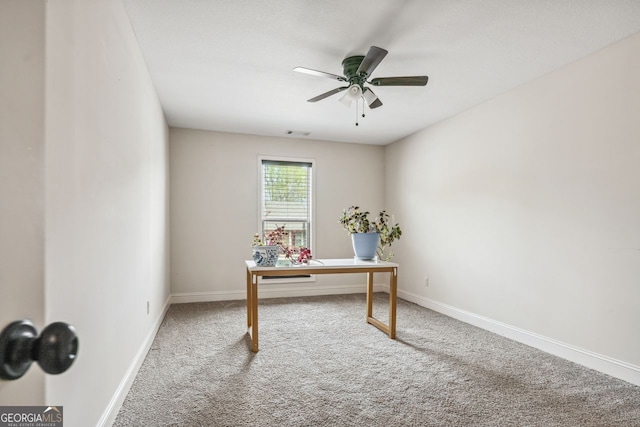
(356, 70)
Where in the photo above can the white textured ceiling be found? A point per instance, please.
(227, 65)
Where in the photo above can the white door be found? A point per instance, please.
(22, 74)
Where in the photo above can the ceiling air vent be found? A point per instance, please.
(297, 133)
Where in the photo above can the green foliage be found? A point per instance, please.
(282, 183)
(354, 221)
(388, 234)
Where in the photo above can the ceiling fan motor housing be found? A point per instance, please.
(350, 68)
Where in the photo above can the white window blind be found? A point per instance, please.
(286, 200)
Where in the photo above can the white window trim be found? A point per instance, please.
(262, 157)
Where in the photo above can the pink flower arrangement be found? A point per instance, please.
(276, 238)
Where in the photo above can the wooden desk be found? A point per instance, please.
(325, 266)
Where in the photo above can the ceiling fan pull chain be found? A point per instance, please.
(356, 113)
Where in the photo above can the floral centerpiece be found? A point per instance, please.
(266, 252)
(355, 221)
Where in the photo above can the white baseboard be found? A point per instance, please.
(280, 291)
(111, 412)
(615, 368)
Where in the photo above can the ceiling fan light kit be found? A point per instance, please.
(356, 70)
(353, 94)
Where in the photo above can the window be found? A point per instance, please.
(286, 197)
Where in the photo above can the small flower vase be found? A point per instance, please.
(365, 245)
(265, 256)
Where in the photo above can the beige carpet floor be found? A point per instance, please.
(321, 364)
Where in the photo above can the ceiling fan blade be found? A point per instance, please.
(327, 94)
(400, 81)
(372, 100)
(319, 73)
(371, 61)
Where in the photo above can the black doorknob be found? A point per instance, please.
(54, 350)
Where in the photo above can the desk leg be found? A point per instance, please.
(393, 299)
(254, 314)
(389, 329)
(248, 298)
(369, 294)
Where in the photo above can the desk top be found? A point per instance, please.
(316, 264)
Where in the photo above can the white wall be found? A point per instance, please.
(106, 203)
(525, 210)
(21, 180)
(214, 207)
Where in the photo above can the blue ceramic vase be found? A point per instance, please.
(365, 244)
